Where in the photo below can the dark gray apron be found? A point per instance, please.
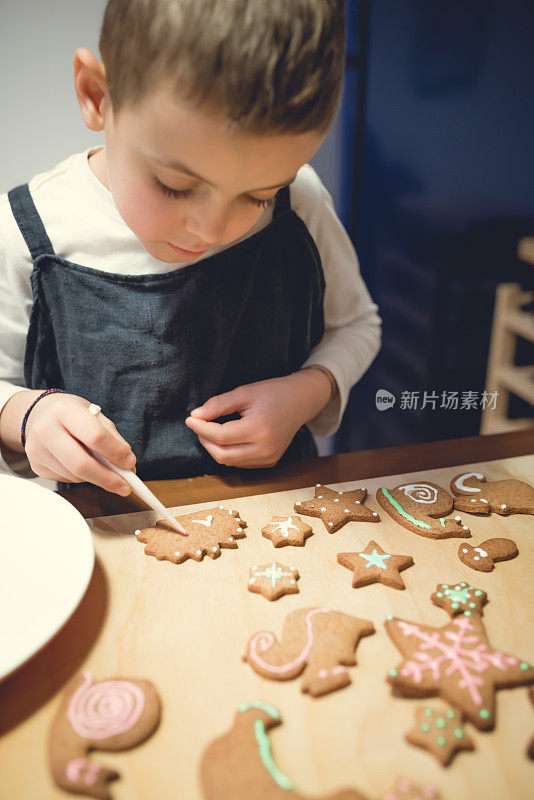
(148, 349)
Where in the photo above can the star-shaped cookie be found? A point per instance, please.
(336, 508)
(273, 580)
(287, 530)
(459, 598)
(440, 731)
(209, 531)
(455, 662)
(374, 565)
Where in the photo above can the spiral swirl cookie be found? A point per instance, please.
(422, 508)
(114, 714)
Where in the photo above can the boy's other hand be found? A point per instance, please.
(271, 412)
(58, 430)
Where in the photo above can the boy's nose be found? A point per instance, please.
(209, 228)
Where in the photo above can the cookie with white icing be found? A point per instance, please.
(284, 531)
(209, 531)
(422, 507)
(476, 495)
(336, 507)
(483, 557)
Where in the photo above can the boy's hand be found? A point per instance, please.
(56, 431)
(271, 411)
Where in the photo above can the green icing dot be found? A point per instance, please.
(455, 605)
(390, 616)
(479, 593)
(472, 605)
(445, 585)
(458, 732)
(450, 713)
(484, 713)
(463, 583)
(467, 613)
(441, 740)
(524, 665)
(394, 673)
(440, 722)
(428, 712)
(425, 726)
(439, 594)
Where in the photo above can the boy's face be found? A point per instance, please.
(179, 178)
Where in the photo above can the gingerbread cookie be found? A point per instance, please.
(317, 642)
(455, 662)
(115, 714)
(530, 749)
(374, 565)
(336, 508)
(459, 598)
(287, 530)
(239, 765)
(209, 531)
(422, 508)
(273, 580)
(407, 790)
(484, 556)
(478, 496)
(439, 731)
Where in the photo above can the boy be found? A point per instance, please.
(173, 277)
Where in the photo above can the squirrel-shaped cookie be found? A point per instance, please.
(477, 496)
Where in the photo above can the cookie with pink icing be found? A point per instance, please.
(114, 714)
(405, 789)
(316, 643)
(476, 495)
(484, 556)
(455, 662)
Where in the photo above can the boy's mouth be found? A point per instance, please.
(183, 252)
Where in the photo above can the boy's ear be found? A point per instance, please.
(91, 88)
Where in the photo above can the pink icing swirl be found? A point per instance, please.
(80, 770)
(101, 710)
(265, 640)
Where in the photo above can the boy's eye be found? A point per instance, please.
(168, 192)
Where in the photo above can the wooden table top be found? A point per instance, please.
(26, 698)
(94, 502)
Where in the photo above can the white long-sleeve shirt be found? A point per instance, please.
(85, 227)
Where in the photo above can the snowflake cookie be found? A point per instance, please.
(455, 662)
(287, 530)
(273, 580)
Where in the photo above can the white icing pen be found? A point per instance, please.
(141, 490)
(135, 482)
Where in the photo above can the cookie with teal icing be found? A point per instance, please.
(374, 565)
(423, 507)
(459, 598)
(440, 731)
(239, 764)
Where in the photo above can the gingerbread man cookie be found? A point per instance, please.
(459, 598)
(484, 556)
(273, 580)
(287, 530)
(115, 714)
(239, 765)
(336, 508)
(457, 663)
(422, 508)
(209, 531)
(440, 731)
(374, 565)
(317, 642)
(477, 496)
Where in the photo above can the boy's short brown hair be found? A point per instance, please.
(272, 66)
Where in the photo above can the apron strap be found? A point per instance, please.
(30, 223)
(282, 202)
